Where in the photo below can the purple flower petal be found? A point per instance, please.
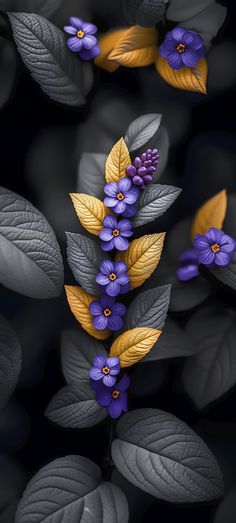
(110, 202)
(120, 207)
(132, 196)
(124, 383)
(127, 234)
(106, 267)
(206, 257)
(103, 396)
(89, 54)
(76, 22)
(124, 185)
(175, 60)
(125, 288)
(108, 380)
(108, 246)
(130, 210)
(178, 33)
(115, 322)
(114, 361)
(74, 44)
(189, 256)
(190, 58)
(123, 279)
(123, 402)
(188, 272)
(119, 308)
(120, 267)
(114, 409)
(100, 361)
(125, 225)
(113, 288)
(111, 189)
(95, 308)
(227, 244)
(201, 242)
(110, 222)
(70, 30)
(89, 28)
(121, 244)
(96, 374)
(100, 322)
(105, 235)
(89, 41)
(102, 279)
(223, 258)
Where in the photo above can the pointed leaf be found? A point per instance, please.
(154, 202)
(173, 343)
(188, 78)
(10, 361)
(136, 48)
(45, 8)
(149, 309)
(91, 174)
(211, 214)
(141, 130)
(181, 10)
(77, 354)
(90, 211)
(144, 12)
(207, 22)
(107, 43)
(84, 257)
(79, 302)
(117, 161)
(142, 257)
(134, 344)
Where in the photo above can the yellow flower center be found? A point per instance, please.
(115, 232)
(115, 394)
(215, 248)
(180, 48)
(120, 196)
(105, 370)
(112, 276)
(80, 34)
(107, 312)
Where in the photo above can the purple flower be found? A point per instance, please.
(105, 369)
(113, 276)
(83, 40)
(114, 398)
(189, 265)
(214, 247)
(114, 234)
(182, 47)
(142, 169)
(120, 195)
(107, 313)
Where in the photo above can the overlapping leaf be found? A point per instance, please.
(189, 79)
(79, 302)
(91, 174)
(134, 344)
(144, 12)
(84, 257)
(45, 8)
(149, 309)
(136, 48)
(211, 214)
(154, 202)
(90, 211)
(117, 161)
(77, 354)
(141, 130)
(107, 43)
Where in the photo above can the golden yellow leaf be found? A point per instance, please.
(134, 344)
(90, 211)
(187, 78)
(142, 257)
(137, 47)
(211, 214)
(107, 42)
(79, 302)
(117, 161)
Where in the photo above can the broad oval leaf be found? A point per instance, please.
(75, 407)
(149, 309)
(211, 372)
(160, 454)
(45, 8)
(188, 78)
(91, 174)
(77, 353)
(207, 22)
(117, 161)
(84, 257)
(134, 344)
(59, 72)
(181, 11)
(144, 12)
(90, 211)
(69, 489)
(154, 201)
(107, 42)
(142, 257)
(227, 274)
(10, 361)
(8, 67)
(79, 302)
(136, 48)
(30, 258)
(211, 214)
(141, 130)
(173, 343)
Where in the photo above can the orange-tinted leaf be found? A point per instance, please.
(79, 302)
(211, 214)
(134, 344)
(90, 211)
(107, 43)
(187, 78)
(117, 161)
(136, 48)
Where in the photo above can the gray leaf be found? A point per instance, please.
(43, 49)
(160, 454)
(8, 67)
(91, 174)
(10, 361)
(77, 353)
(212, 371)
(30, 258)
(75, 407)
(207, 22)
(149, 309)
(173, 343)
(44, 7)
(180, 10)
(141, 130)
(227, 274)
(144, 12)
(84, 257)
(69, 489)
(154, 202)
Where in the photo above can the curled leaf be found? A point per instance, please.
(90, 211)
(117, 161)
(136, 48)
(211, 214)
(134, 344)
(188, 78)
(107, 43)
(79, 302)
(142, 257)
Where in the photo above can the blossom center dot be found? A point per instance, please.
(120, 196)
(115, 232)
(80, 34)
(180, 48)
(115, 394)
(112, 276)
(107, 312)
(215, 248)
(105, 370)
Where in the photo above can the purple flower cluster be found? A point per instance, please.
(143, 168)
(182, 48)
(82, 40)
(109, 394)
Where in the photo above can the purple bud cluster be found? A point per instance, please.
(143, 168)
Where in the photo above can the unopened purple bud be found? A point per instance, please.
(131, 171)
(147, 178)
(137, 180)
(138, 162)
(143, 157)
(142, 171)
(151, 169)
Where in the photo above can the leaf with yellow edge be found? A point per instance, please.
(136, 48)
(117, 161)
(90, 211)
(187, 78)
(142, 257)
(79, 302)
(134, 344)
(211, 214)
(107, 43)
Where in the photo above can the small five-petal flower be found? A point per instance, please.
(105, 369)
(120, 195)
(113, 398)
(113, 277)
(182, 48)
(114, 234)
(82, 40)
(214, 247)
(107, 313)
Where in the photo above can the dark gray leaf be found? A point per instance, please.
(144, 12)
(75, 407)
(10, 361)
(138, 501)
(212, 371)
(160, 454)
(141, 130)
(149, 309)
(70, 489)
(8, 67)
(227, 274)
(154, 202)
(77, 353)
(173, 343)
(43, 49)
(226, 512)
(180, 10)
(91, 174)
(84, 257)
(207, 22)
(44, 7)
(30, 258)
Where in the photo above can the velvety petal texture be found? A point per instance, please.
(214, 247)
(107, 313)
(114, 398)
(83, 40)
(115, 233)
(105, 369)
(182, 48)
(112, 276)
(120, 195)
